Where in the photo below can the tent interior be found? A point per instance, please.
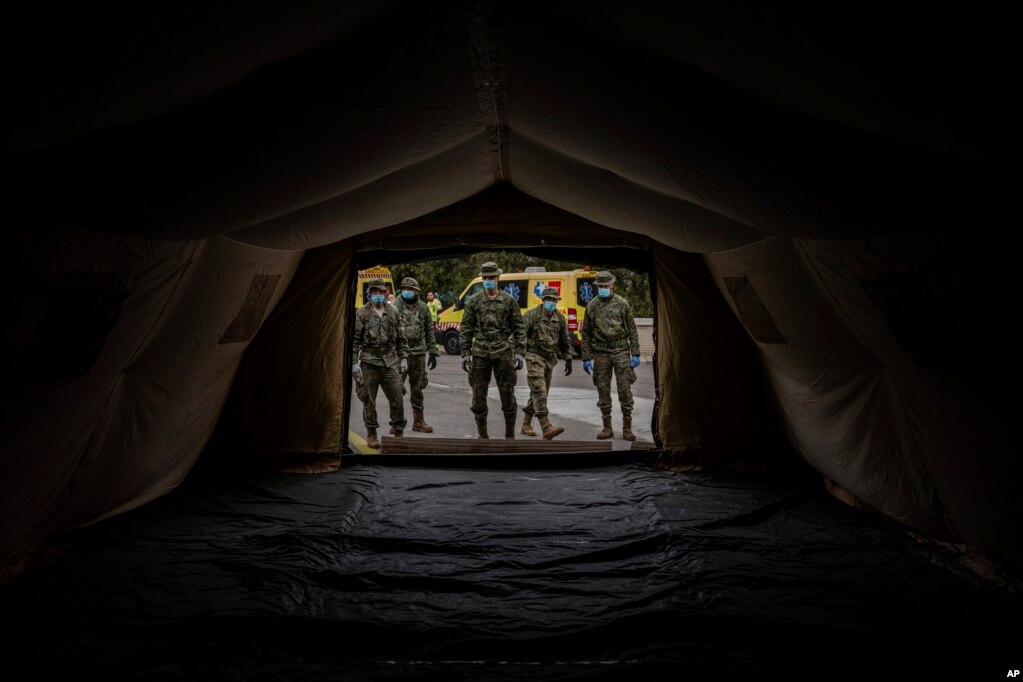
(820, 193)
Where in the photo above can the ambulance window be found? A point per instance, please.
(585, 290)
(472, 291)
(518, 289)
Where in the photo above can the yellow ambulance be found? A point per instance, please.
(576, 288)
(375, 272)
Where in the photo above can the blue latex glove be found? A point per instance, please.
(403, 366)
(588, 366)
(519, 361)
(357, 372)
(467, 363)
(634, 362)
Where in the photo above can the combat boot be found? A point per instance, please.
(371, 439)
(627, 433)
(481, 428)
(607, 431)
(509, 428)
(399, 433)
(418, 423)
(550, 430)
(527, 427)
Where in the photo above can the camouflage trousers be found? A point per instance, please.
(387, 378)
(417, 379)
(503, 370)
(538, 376)
(617, 363)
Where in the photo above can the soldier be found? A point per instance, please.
(491, 333)
(546, 339)
(611, 344)
(379, 352)
(417, 324)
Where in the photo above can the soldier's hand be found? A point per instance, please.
(403, 366)
(634, 362)
(467, 363)
(588, 366)
(568, 366)
(357, 372)
(432, 362)
(520, 361)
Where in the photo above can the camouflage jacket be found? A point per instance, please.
(546, 335)
(417, 323)
(609, 327)
(378, 339)
(492, 327)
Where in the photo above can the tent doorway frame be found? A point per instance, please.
(635, 259)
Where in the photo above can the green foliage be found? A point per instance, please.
(447, 277)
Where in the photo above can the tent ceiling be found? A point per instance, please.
(293, 126)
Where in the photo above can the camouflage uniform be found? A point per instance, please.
(609, 339)
(417, 324)
(378, 344)
(547, 339)
(492, 333)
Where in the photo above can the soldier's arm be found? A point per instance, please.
(586, 332)
(431, 340)
(564, 339)
(401, 343)
(467, 329)
(630, 322)
(517, 327)
(357, 338)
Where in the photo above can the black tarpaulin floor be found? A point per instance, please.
(497, 569)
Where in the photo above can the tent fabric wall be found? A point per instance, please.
(709, 378)
(129, 428)
(286, 404)
(878, 422)
(833, 168)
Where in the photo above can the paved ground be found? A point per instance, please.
(572, 402)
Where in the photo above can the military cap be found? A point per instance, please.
(376, 283)
(489, 269)
(550, 292)
(605, 277)
(410, 282)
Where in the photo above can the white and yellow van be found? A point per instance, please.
(576, 288)
(375, 272)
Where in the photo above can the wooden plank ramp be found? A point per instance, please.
(389, 445)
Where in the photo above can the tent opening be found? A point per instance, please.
(552, 403)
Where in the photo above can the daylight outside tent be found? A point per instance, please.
(436, 390)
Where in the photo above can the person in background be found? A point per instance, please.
(610, 344)
(493, 342)
(417, 325)
(546, 339)
(379, 354)
(436, 307)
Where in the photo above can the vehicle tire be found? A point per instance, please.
(451, 342)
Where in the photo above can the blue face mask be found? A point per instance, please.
(549, 306)
(603, 292)
(377, 299)
(489, 283)
(408, 295)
